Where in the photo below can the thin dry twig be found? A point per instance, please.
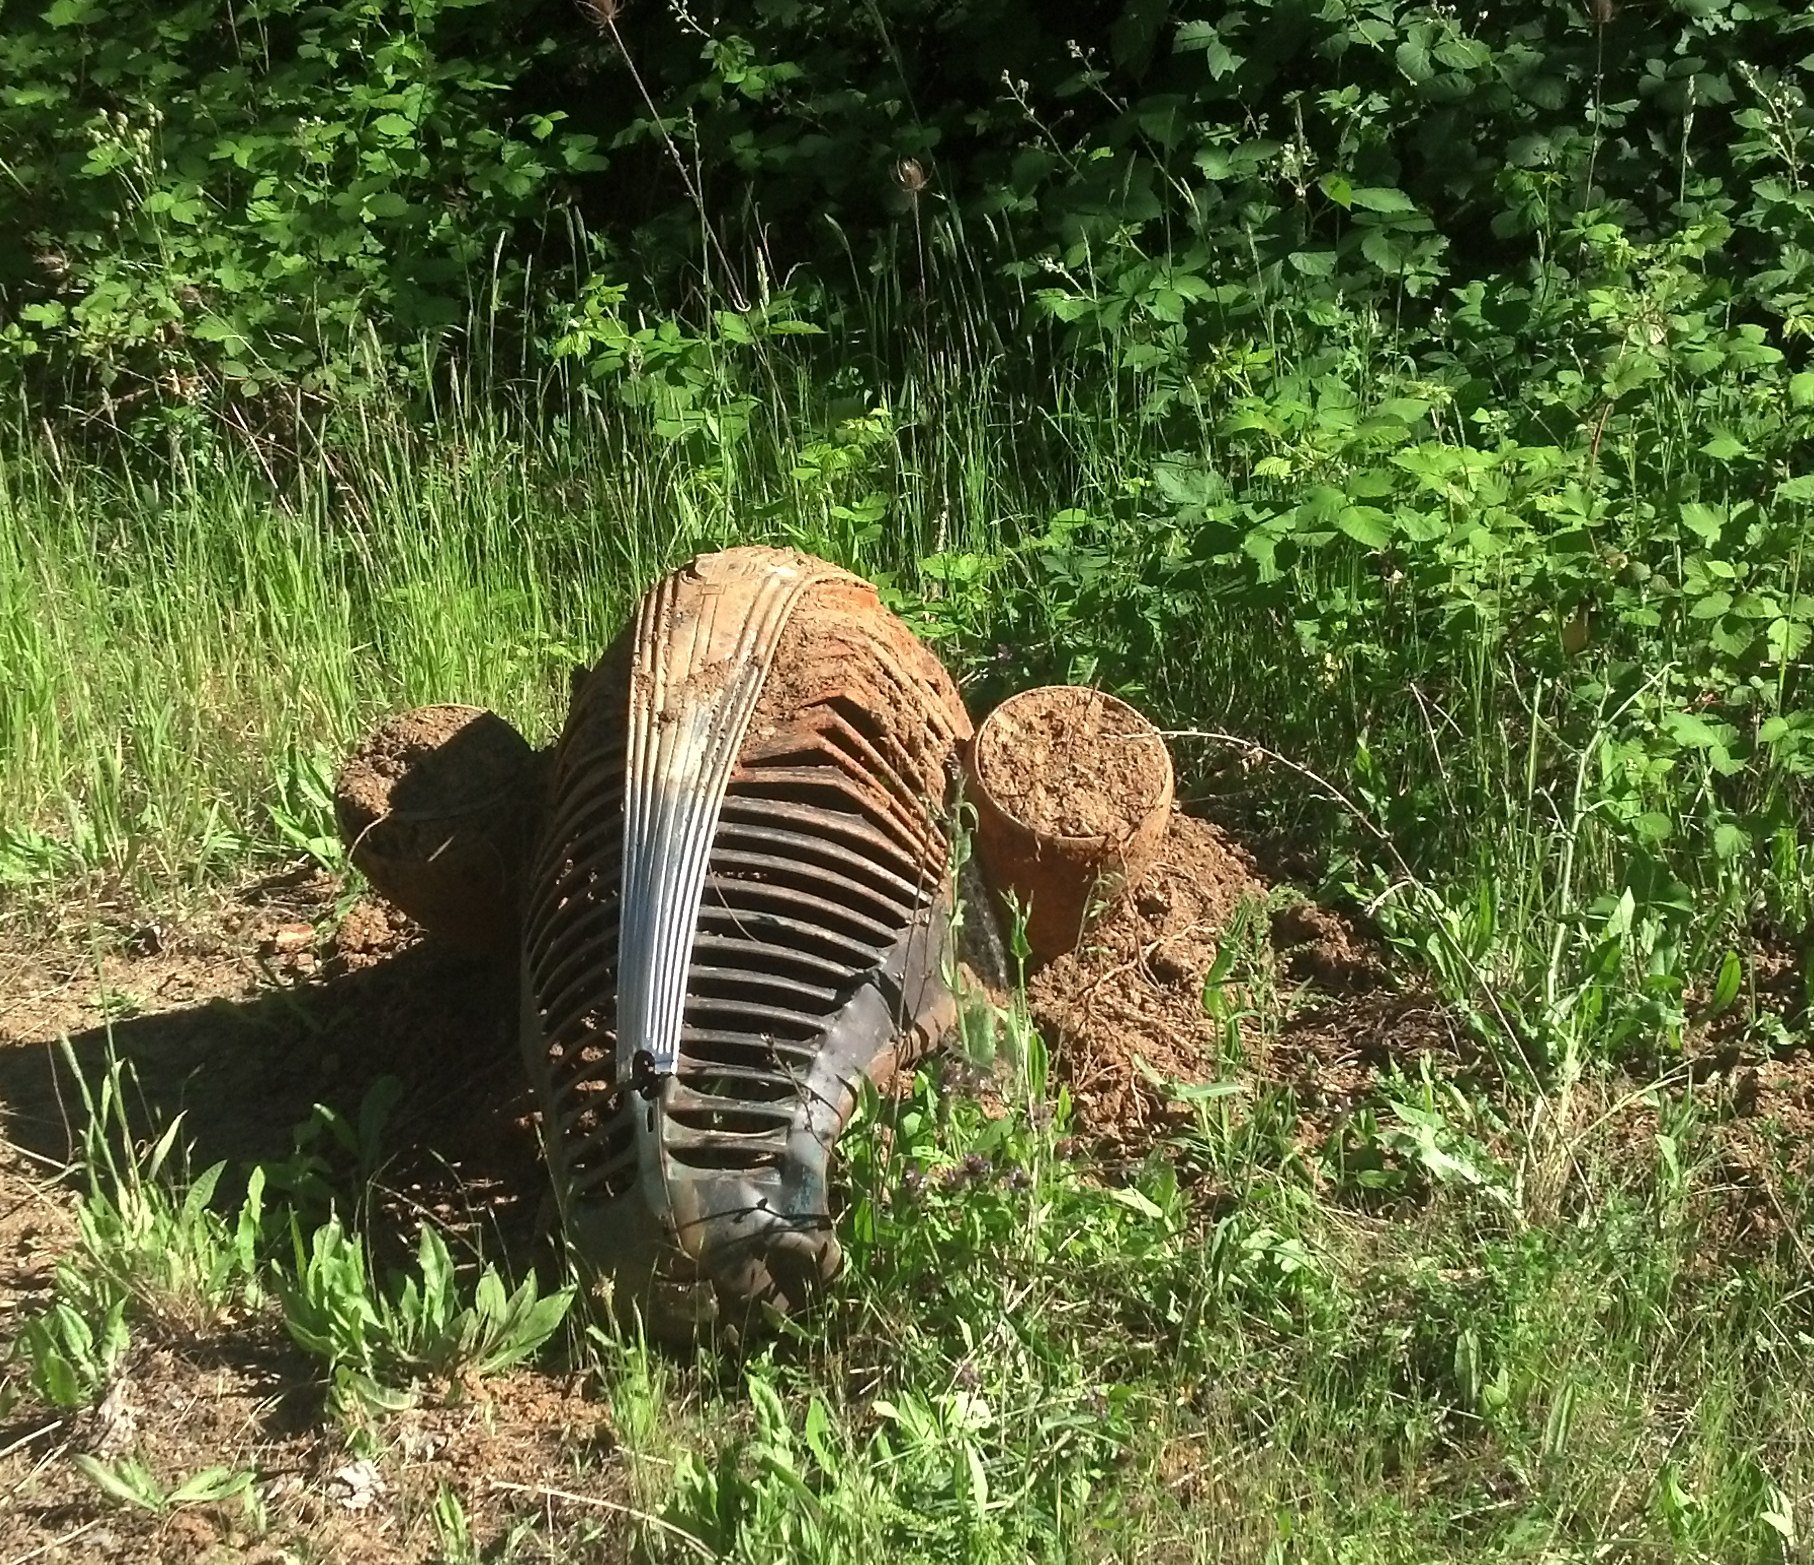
(598, 1502)
(604, 15)
(1406, 873)
(25, 1440)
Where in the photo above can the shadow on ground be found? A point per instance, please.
(379, 1018)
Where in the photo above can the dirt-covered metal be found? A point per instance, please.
(738, 909)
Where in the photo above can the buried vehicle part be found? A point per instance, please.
(739, 907)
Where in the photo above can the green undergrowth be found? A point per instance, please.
(1227, 1351)
(1519, 658)
(1451, 511)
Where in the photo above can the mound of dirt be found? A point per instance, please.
(438, 808)
(1320, 947)
(1132, 993)
(1125, 1014)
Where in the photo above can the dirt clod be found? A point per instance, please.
(438, 807)
(1320, 946)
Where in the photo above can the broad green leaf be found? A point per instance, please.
(211, 1484)
(979, 1479)
(1385, 250)
(1183, 483)
(56, 1379)
(1382, 198)
(128, 1484)
(1262, 548)
(1367, 525)
(1732, 636)
(1788, 638)
(1695, 733)
(1420, 526)
(1730, 841)
(1704, 521)
(1221, 60)
(1320, 507)
(1732, 975)
(1406, 410)
(1136, 1201)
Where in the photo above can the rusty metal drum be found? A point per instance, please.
(739, 907)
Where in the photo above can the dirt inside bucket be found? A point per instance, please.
(1068, 762)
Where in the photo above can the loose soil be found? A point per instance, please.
(1329, 1020)
(1071, 762)
(1129, 1000)
(1126, 1018)
(240, 1020)
(431, 764)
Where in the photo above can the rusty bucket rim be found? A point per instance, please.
(1163, 795)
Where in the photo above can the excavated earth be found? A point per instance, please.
(1064, 764)
(239, 1018)
(439, 806)
(1125, 1013)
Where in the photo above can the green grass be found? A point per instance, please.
(189, 654)
(1223, 1355)
(1542, 1350)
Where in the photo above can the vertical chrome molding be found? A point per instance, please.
(694, 683)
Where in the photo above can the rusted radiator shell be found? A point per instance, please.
(692, 1170)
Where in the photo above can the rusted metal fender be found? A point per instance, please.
(738, 908)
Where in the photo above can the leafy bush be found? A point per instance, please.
(251, 202)
(248, 199)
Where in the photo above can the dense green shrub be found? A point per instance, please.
(249, 193)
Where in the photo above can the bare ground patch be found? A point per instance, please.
(240, 1022)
